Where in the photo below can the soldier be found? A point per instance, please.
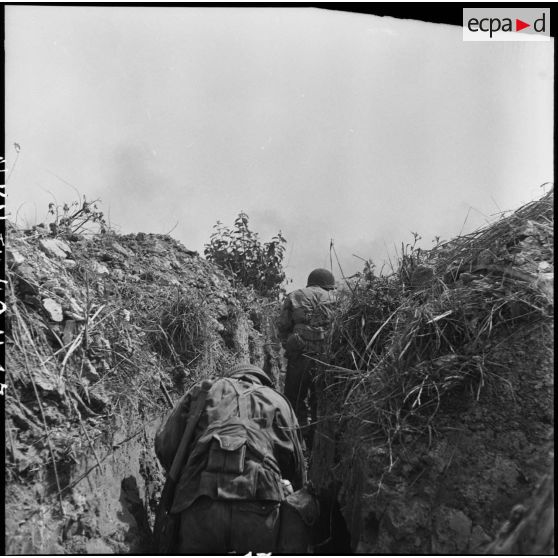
(243, 458)
(302, 326)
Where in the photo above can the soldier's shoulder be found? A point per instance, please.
(276, 397)
(294, 293)
(318, 293)
(206, 385)
(305, 292)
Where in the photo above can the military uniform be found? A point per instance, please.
(302, 326)
(230, 487)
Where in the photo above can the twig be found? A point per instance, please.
(331, 246)
(176, 225)
(86, 434)
(22, 324)
(87, 309)
(99, 461)
(466, 217)
(369, 344)
(10, 435)
(166, 394)
(73, 347)
(66, 182)
(17, 213)
(17, 150)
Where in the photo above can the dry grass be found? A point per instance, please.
(142, 338)
(400, 348)
(182, 328)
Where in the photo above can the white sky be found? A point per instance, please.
(322, 124)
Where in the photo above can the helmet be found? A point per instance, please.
(250, 370)
(321, 278)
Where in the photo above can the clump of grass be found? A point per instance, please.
(402, 347)
(182, 328)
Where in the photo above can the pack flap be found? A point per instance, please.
(229, 443)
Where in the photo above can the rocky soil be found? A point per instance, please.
(102, 332)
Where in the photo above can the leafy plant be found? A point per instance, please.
(239, 251)
(73, 218)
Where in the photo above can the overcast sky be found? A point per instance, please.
(323, 124)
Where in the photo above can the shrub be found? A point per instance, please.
(77, 217)
(239, 251)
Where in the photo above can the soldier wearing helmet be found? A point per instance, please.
(245, 446)
(302, 327)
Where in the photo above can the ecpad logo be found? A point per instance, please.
(506, 24)
(494, 24)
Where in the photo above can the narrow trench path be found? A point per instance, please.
(330, 533)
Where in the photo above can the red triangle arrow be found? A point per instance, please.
(519, 25)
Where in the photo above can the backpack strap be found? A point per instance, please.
(242, 399)
(267, 458)
(194, 417)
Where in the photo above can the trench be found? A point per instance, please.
(111, 507)
(120, 519)
(135, 481)
(447, 491)
(331, 534)
(114, 505)
(122, 498)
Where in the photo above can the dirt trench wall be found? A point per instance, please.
(108, 511)
(98, 329)
(450, 492)
(449, 486)
(529, 529)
